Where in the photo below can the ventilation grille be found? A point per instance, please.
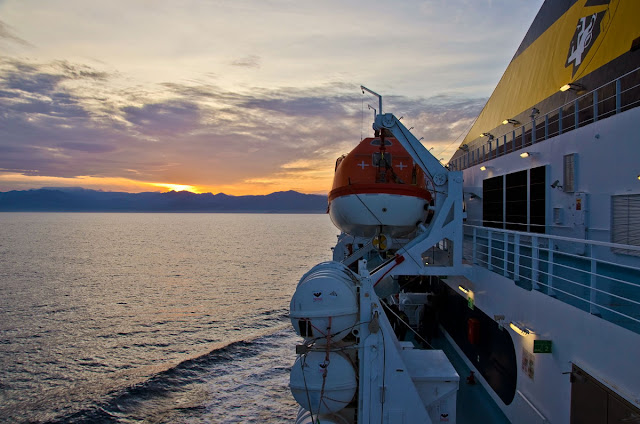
(625, 222)
(569, 183)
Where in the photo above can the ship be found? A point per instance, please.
(504, 285)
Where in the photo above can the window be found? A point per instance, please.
(376, 142)
(516, 201)
(492, 202)
(378, 162)
(537, 199)
(625, 222)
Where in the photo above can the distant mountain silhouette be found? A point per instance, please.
(76, 199)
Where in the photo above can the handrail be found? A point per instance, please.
(559, 238)
(595, 284)
(527, 132)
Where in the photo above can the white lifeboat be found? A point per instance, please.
(377, 188)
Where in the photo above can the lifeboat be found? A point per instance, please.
(378, 189)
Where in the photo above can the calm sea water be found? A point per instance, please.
(159, 318)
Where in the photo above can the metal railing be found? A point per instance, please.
(610, 99)
(574, 271)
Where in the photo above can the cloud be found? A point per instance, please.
(173, 116)
(6, 33)
(68, 120)
(251, 61)
(87, 147)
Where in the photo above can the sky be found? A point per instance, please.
(240, 97)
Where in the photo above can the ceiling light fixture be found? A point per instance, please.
(520, 329)
(513, 122)
(572, 86)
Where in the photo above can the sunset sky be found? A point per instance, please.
(240, 97)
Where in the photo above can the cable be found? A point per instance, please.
(306, 389)
(370, 211)
(362, 119)
(461, 134)
(406, 324)
(384, 374)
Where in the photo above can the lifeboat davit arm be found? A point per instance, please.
(412, 145)
(448, 209)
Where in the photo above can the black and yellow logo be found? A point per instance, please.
(587, 31)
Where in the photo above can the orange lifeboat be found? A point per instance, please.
(377, 188)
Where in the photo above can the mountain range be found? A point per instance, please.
(77, 199)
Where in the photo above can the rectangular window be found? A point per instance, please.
(516, 201)
(537, 199)
(625, 222)
(492, 202)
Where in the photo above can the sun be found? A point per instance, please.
(176, 187)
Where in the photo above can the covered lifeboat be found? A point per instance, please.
(378, 189)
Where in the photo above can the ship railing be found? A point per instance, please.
(584, 273)
(607, 100)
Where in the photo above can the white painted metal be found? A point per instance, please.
(607, 159)
(363, 215)
(387, 393)
(323, 382)
(305, 417)
(606, 350)
(324, 307)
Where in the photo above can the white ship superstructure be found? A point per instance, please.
(526, 272)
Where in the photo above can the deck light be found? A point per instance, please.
(513, 122)
(525, 155)
(572, 86)
(483, 168)
(463, 289)
(520, 330)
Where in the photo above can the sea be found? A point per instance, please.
(151, 317)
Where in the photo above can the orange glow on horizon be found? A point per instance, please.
(14, 181)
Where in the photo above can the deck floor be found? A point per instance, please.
(473, 404)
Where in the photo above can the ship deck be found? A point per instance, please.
(474, 404)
